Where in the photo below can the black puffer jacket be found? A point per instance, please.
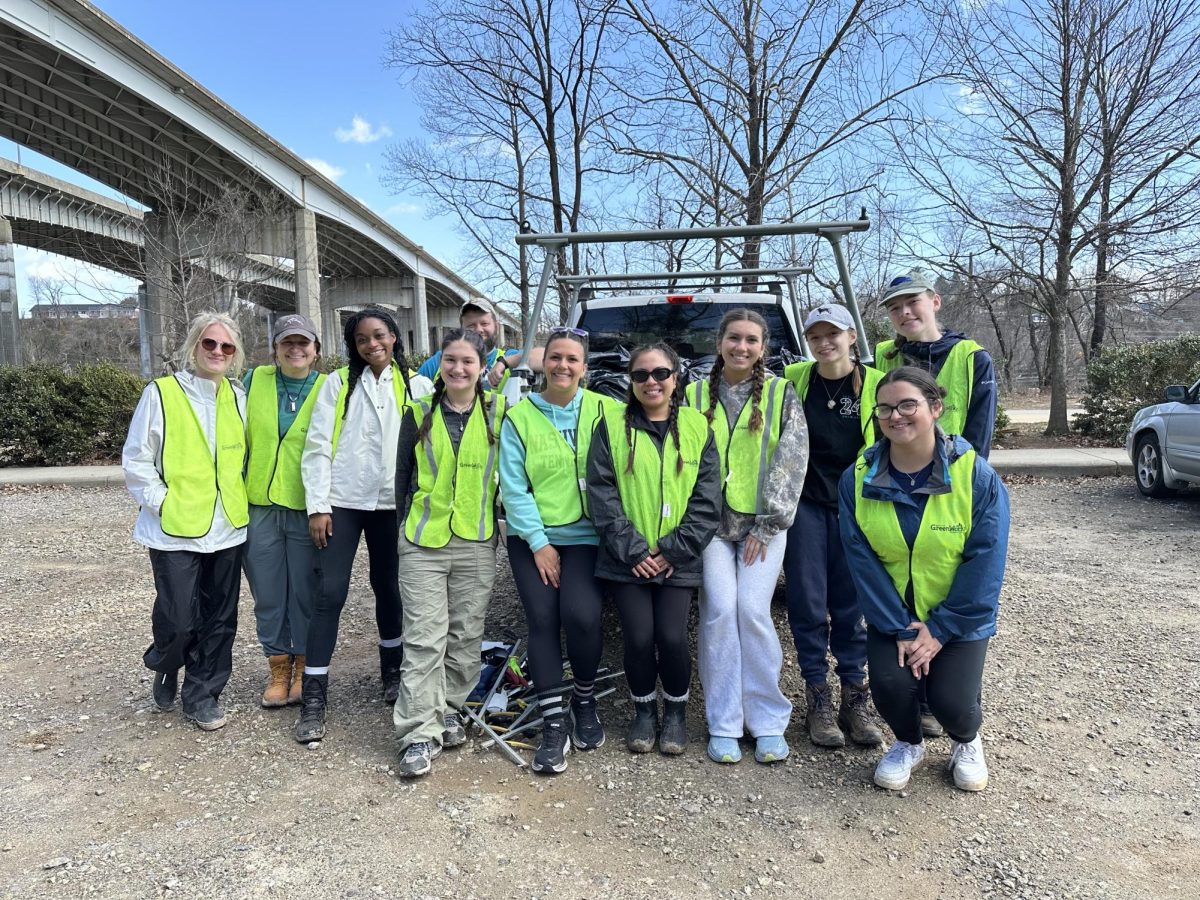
(621, 547)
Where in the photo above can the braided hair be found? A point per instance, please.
(439, 388)
(356, 363)
(632, 404)
(758, 374)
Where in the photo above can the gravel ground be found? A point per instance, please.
(1091, 728)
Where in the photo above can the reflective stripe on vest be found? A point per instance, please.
(193, 479)
(655, 495)
(957, 376)
(273, 467)
(934, 558)
(556, 473)
(456, 493)
(399, 389)
(800, 375)
(743, 482)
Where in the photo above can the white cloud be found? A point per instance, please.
(329, 170)
(403, 209)
(361, 132)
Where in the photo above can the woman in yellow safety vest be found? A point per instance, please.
(838, 393)
(183, 461)
(924, 520)
(654, 485)
(280, 558)
(758, 426)
(552, 543)
(349, 468)
(446, 480)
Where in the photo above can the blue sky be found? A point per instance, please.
(302, 71)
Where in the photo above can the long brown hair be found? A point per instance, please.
(632, 403)
(759, 375)
(439, 389)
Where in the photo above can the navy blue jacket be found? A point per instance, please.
(970, 609)
(981, 414)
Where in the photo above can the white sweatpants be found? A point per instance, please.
(740, 655)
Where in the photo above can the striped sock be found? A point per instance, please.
(584, 690)
(550, 705)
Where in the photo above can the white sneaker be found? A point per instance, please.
(967, 765)
(897, 765)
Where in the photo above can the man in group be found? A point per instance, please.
(480, 316)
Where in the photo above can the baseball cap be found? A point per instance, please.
(294, 323)
(836, 315)
(479, 304)
(905, 285)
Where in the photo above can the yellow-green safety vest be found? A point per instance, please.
(800, 375)
(743, 480)
(957, 376)
(935, 556)
(557, 473)
(273, 467)
(655, 495)
(194, 480)
(399, 389)
(456, 492)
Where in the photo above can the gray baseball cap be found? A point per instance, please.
(836, 315)
(294, 323)
(478, 304)
(906, 285)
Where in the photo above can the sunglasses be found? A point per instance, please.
(641, 376)
(210, 345)
(904, 407)
(567, 329)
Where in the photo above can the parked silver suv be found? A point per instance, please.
(1164, 442)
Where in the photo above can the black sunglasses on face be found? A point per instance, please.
(641, 376)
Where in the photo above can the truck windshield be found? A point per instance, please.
(691, 328)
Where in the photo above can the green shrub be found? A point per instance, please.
(61, 417)
(1002, 420)
(1121, 380)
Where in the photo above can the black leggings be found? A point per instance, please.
(654, 619)
(334, 565)
(954, 682)
(573, 607)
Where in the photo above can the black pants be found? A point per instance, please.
(334, 564)
(194, 619)
(573, 607)
(654, 620)
(954, 683)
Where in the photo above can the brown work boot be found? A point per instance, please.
(822, 729)
(297, 680)
(857, 717)
(276, 693)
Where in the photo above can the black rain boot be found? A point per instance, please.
(389, 672)
(311, 726)
(673, 739)
(644, 727)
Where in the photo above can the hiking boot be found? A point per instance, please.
(390, 659)
(930, 726)
(586, 731)
(857, 717)
(276, 693)
(418, 759)
(453, 732)
(644, 727)
(771, 748)
(551, 755)
(724, 750)
(207, 716)
(166, 684)
(311, 726)
(822, 729)
(673, 738)
(897, 765)
(967, 765)
(296, 690)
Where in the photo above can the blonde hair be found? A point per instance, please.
(187, 353)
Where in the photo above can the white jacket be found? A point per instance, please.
(363, 474)
(141, 461)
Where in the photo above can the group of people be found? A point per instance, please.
(868, 487)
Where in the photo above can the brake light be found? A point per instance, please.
(679, 298)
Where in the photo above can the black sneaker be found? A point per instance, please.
(418, 758)
(551, 756)
(586, 731)
(165, 686)
(311, 724)
(207, 716)
(453, 733)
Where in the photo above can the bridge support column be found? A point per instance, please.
(156, 300)
(420, 318)
(308, 273)
(10, 311)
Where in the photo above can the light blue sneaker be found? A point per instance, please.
(770, 748)
(724, 750)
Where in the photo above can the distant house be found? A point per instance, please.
(82, 311)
